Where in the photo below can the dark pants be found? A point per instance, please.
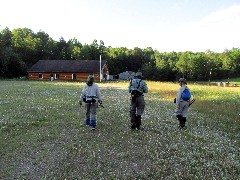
(182, 121)
(137, 105)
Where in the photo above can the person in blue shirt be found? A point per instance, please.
(182, 104)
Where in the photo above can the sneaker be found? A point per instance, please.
(87, 122)
(93, 128)
(181, 126)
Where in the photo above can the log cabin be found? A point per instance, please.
(67, 70)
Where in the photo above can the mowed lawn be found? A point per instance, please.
(43, 135)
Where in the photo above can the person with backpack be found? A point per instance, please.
(137, 87)
(91, 95)
(182, 102)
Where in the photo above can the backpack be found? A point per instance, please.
(135, 88)
(186, 95)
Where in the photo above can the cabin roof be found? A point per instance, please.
(67, 66)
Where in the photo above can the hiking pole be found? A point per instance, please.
(101, 105)
(80, 107)
(192, 101)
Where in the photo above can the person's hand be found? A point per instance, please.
(80, 102)
(177, 111)
(174, 101)
(101, 104)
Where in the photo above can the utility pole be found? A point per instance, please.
(100, 72)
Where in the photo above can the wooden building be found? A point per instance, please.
(67, 70)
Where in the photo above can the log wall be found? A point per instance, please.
(46, 76)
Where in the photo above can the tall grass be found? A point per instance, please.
(221, 104)
(43, 136)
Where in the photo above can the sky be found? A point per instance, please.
(164, 25)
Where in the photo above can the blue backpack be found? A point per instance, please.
(186, 95)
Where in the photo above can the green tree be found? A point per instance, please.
(85, 52)
(136, 59)
(235, 61)
(118, 60)
(75, 47)
(63, 50)
(149, 57)
(5, 38)
(214, 65)
(13, 66)
(184, 64)
(44, 46)
(5, 42)
(199, 67)
(164, 61)
(24, 44)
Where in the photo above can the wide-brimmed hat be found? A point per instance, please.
(139, 74)
(182, 80)
(90, 80)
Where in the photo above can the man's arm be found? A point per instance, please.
(145, 87)
(98, 93)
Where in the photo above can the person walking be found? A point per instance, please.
(137, 87)
(182, 102)
(91, 95)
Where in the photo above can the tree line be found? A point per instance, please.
(21, 48)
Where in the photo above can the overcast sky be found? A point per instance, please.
(165, 25)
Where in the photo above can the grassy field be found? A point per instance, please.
(43, 136)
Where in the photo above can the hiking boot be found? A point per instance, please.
(133, 126)
(182, 122)
(182, 126)
(139, 128)
(179, 116)
(138, 121)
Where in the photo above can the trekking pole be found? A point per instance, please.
(101, 105)
(192, 101)
(80, 107)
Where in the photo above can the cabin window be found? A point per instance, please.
(56, 76)
(40, 75)
(74, 76)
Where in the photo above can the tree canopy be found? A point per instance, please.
(21, 48)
